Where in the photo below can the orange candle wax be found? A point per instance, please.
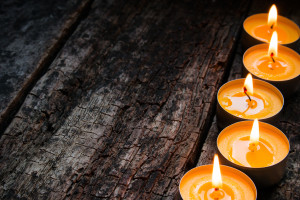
(258, 62)
(266, 100)
(197, 184)
(235, 145)
(261, 27)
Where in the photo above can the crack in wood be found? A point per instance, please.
(148, 128)
(15, 103)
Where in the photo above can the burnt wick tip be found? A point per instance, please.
(245, 91)
(272, 57)
(273, 60)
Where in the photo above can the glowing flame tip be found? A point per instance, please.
(216, 174)
(254, 136)
(273, 47)
(248, 84)
(272, 17)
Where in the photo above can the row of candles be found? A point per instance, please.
(252, 150)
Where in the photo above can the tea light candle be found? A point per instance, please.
(278, 65)
(248, 99)
(256, 148)
(258, 28)
(215, 182)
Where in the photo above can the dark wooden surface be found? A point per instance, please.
(32, 33)
(117, 100)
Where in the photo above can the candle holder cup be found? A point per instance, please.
(248, 40)
(225, 118)
(225, 170)
(287, 87)
(262, 176)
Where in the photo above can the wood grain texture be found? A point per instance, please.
(122, 110)
(210, 146)
(32, 32)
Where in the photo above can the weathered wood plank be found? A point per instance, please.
(288, 188)
(122, 110)
(210, 146)
(32, 32)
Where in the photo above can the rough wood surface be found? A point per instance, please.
(122, 110)
(32, 32)
(210, 146)
(289, 187)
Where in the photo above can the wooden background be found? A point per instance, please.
(116, 99)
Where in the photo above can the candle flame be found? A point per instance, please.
(273, 47)
(272, 17)
(254, 136)
(248, 84)
(216, 174)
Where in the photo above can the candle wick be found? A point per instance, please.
(252, 147)
(272, 56)
(273, 60)
(245, 91)
(216, 189)
(272, 26)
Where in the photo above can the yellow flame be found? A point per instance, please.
(273, 47)
(248, 84)
(216, 174)
(254, 136)
(272, 17)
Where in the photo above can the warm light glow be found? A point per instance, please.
(216, 174)
(254, 136)
(272, 17)
(273, 47)
(248, 84)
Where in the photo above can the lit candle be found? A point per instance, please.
(258, 149)
(207, 182)
(258, 28)
(278, 65)
(217, 191)
(239, 100)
